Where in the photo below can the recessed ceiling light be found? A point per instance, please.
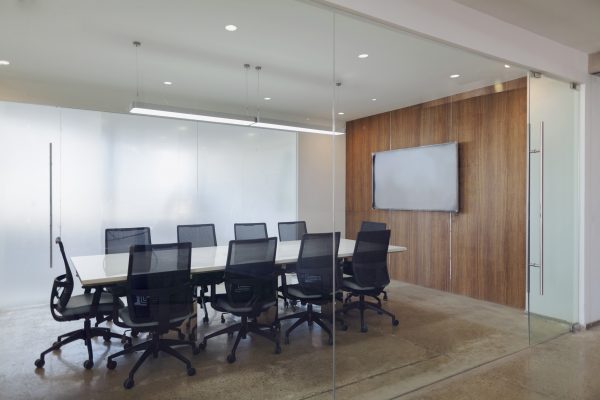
(373, 99)
(267, 98)
(4, 62)
(340, 113)
(168, 83)
(453, 76)
(231, 28)
(506, 66)
(363, 55)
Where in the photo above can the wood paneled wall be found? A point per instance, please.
(479, 252)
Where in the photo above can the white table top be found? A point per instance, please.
(112, 268)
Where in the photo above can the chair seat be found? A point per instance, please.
(208, 278)
(349, 284)
(296, 292)
(124, 316)
(222, 304)
(81, 306)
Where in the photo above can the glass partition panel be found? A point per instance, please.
(457, 280)
(26, 133)
(553, 207)
(121, 171)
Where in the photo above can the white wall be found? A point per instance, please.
(455, 24)
(320, 166)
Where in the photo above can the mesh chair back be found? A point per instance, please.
(316, 261)
(250, 231)
(118, 240)
(250, 274)
(291, 230)
(369, 260)
(202, 235)
(372, 226)
(158, 283)
(62, 289)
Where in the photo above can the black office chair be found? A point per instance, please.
(251, 286)
(372, 226)
(159, 298)
(316, 278)
(347, 268)
(201, 235)
(369, 262)
(65, 307)
(118, 240)
(250, 231)
(293, 230)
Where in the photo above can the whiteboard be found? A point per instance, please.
(417, 178)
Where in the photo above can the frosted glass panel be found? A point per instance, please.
(25, 134)
(125, 171)
(118, 170)
(553, 110)
(245, 175)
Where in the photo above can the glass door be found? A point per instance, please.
(553, 207)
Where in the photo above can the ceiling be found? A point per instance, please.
(79, 53)
(575, 23)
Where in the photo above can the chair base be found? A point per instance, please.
(153, 347)
(244, 327)
(350, 295)
(310, 316)
(86, 334)
(363, 305)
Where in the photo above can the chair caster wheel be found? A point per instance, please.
(106, 338)
(127, 345)
(191, 371)
(111, 364)
(222, 319)
(56, 345)
(364, 329)
(134, 334)
(128, 384)
(395, 322)
(330, 341)
(277, 349)
(88, 364)
(286, 340)
(231, 358)
(39, 363)
(202, 345)
(205, 320)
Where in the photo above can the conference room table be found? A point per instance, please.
(111, 269)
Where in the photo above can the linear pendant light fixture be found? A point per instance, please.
(179, 113)
(220, 118)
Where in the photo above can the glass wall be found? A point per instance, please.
(456, 290)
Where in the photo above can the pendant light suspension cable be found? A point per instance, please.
(258, 69)
(137, 70)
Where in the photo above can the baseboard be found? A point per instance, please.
(592, 324)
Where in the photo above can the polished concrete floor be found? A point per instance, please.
(444, 347)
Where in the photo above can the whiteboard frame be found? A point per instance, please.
(456, 187)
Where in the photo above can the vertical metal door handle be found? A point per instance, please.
(50, 170)
(542, 208)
